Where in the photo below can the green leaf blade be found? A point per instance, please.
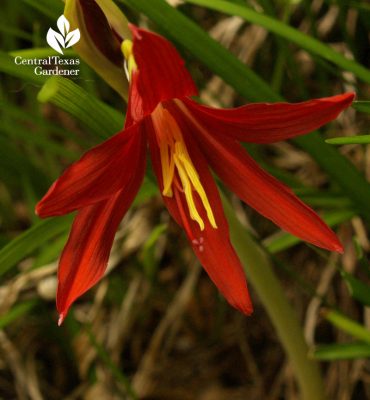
(347, 351)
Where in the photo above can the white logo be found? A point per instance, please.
(64, 39)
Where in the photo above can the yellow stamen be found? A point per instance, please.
(173, 153)
(127, 50)
(194, 178)
(188, 190)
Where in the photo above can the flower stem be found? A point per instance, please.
(260, 273)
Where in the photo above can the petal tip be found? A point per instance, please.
(247, 311)
(61, 319)
(245, 306)
(339, 249)
(40, 210)
(336, 245)
(349, 97)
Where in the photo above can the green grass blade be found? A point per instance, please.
(358, 289)
(28, 241)
(16, 312)
(101, 119)
(348, 325)
(289, 33)
(348, 351)
(359, 139)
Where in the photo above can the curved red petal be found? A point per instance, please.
(161, 74)
(261, 191)
(85, 256)
(100, 173)
(212, 246)
(267, 123)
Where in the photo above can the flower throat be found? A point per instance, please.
(177, 167)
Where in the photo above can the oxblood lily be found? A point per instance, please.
(184, 139)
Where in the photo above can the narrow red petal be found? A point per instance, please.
(100, 173)
(261, 191)
(161, 73)
(212, 246)
(85, 256)
(267, 123)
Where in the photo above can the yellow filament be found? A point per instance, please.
(194, 178)
(188, 190)
(127, 50)
(173, 153)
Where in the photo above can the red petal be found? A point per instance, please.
(99, 174)
(261, 191)
(161, 73)
(212, 246)
(85, 256)
(267, 123)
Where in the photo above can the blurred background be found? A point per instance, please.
(155, 327)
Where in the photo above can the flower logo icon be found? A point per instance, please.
(64, 39)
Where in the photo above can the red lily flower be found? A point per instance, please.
(185, 138)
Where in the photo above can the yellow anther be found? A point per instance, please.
(174, 154)
(127, 50)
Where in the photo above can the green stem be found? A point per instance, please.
(259, 272)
